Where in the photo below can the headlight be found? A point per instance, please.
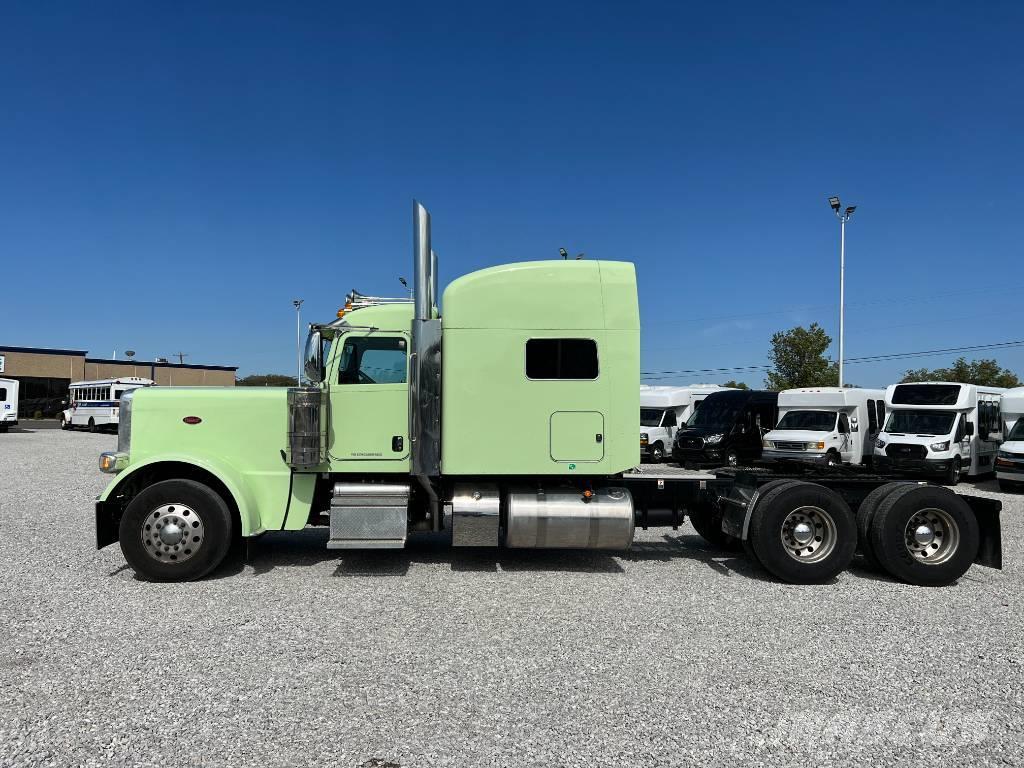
(124, 423)
(815, 446)
(879, 443)
(712, 439)
(766, 443)
(940, 446)
(643, 438)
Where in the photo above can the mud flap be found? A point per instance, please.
(990, 540)
(107, 524)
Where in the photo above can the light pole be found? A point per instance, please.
(298, 341)
(843, 218)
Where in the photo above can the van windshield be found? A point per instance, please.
(715, 412)
(1017, 433)
(812, 421)
(651, 417)
(921, 422)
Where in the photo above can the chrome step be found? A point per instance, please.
(369, 516)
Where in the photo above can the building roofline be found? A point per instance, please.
(44, 351)
(155, 364)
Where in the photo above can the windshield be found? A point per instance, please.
(921, 422)
(651, 417)
(813, 421)
(716, 413)
(1017, 433)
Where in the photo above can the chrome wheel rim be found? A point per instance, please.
(931, 536)
(173, 533)
(809, 534)
(732, 459)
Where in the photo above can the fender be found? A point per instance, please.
(248, 508)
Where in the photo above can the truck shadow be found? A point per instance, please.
(290, 549)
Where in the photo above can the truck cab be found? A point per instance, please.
(727, 429)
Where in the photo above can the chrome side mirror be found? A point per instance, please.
(314, 357)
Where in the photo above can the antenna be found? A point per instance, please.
(404, 283)
(181, 357)
(563, 253)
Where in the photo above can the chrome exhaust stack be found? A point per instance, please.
(425, 365)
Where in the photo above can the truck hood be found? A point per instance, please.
(701, 431)
(1013, 446)
(907, 439)
(797, 436)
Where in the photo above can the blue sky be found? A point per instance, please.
(172, 176)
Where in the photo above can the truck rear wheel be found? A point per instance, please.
(706, 519)
(175, 530)
(925, 535)
(765, 493)
(803, 533)
(865, 514)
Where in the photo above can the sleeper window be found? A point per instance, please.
(561, 359)
(373, 360)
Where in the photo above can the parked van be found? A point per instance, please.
(941, 428)
(727, 429)
(663, 410)
(1010, 460)
(96, 404)
(826, 425)
(8, 404)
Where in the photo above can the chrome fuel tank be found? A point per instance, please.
(563, 519)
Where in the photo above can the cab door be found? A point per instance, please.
(846, 441)
(368, 424)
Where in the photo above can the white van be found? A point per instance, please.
(826, 425)
(663, 410)
(1010, 460)
(96, 404)
(8, 404)
(940, 427)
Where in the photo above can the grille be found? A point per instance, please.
(788, 446)
(692, 443)
(904, 451)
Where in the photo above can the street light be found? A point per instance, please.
(843, 218)
(297, 303)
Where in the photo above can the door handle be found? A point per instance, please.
(599, 437)
(397, 443)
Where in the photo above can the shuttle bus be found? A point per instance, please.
(96, 404)
(1010, 461)
(8, 404)
(940, 427)
(826, 425)
(663, 410)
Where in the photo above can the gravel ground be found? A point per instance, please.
(672, 654)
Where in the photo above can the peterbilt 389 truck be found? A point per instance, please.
(385, 443)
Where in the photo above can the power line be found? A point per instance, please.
(866, 359)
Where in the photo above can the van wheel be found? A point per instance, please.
(732, 458)
(832, 459)
(804, 533)
(925, 535)
(953, 473)
(865, 514)
(63, 422)
(175, 530)
(657, 453)
(92, 425)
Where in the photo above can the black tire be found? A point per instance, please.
(657, 453)
(707, 521)
(198, 501)
(952, 476)
(832, 459)
(889, 537)
(92, 425)
(833, 532)
(1009, 486)
(63, 422)
(865, 514)
(766, 490)
(732, 458)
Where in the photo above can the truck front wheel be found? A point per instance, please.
(175, 530)
(803, 533)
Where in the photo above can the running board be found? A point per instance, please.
(369, 516)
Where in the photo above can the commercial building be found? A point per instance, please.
(46, 374)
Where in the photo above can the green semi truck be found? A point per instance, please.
(388, 440)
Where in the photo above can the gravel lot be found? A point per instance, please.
(671, 654)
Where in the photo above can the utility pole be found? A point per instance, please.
(181, 357)
(843, 218)
(297, 303)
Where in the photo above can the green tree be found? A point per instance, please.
(798, 359)
(985, 372)
(266, 380)
(736, 384)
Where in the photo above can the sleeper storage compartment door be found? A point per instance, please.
(577, 436)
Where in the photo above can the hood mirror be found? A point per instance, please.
(314, 357)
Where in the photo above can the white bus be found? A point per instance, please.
(1010, 461)
(826, 425)
(96, 404)
(940, 427)
(663, 410)
(8, 404)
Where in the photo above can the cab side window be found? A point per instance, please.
(844, 424)
(961, 430)
(669, 419)
(561, 359)
(373, 360)
(872, 417)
